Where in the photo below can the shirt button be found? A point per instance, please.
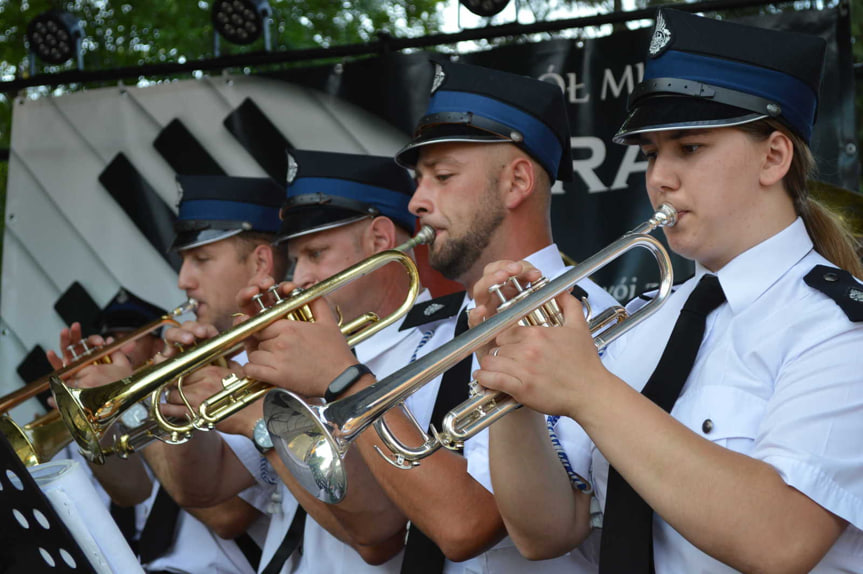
(831, 277)
(707, 426)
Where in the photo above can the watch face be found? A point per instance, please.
(262, 435)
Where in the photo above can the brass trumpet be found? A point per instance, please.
(312, 439)
(38, 441)
(90, 412)
(90, 355)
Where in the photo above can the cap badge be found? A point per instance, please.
(179, 195)
(661, 37)
(439, 77)
(292, 168)
(432, 309)
(855, 295)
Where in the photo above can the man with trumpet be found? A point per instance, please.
(485, 157)
(223, 232)
(341, 209)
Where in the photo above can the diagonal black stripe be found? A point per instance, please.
(75, 304)
(34, 365)
(183, 152)
(264, 142)
(142, 204)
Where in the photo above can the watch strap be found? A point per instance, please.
(345, 380)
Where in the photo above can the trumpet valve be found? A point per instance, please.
(259, 301)
(274, 292)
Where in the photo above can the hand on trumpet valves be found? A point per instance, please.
(551, 370)
(197, 387)
(260, 294)
(186, 335)
(98, 374)
(74, 345)
(493, 285)
(300, 356)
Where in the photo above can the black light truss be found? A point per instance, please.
(383, 44)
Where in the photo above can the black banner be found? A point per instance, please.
(607, 197)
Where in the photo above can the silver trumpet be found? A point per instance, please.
(312, 439)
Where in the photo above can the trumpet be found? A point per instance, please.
(89, 413)
(89, 355)
(38, 441)
(312, 439)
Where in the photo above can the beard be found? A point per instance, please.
(458, 255)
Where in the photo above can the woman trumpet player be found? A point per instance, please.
(755, 466)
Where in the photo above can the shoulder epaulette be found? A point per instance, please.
(840, 286)
(429, 311)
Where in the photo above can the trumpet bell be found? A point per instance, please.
(79, 419)
(306, 446)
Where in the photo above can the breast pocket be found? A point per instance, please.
(728, 416)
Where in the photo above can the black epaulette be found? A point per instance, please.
(429, 311)
(840, 286)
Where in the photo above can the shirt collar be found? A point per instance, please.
(746, 277)
(386, 338)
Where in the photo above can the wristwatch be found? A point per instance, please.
(344, 381)
(261, 437)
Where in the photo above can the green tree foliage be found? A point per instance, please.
(119, 34)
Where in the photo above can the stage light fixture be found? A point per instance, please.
(242, 21)
(485, 8)
(55, 37)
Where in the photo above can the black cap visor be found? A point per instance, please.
(672, 112)
(408, 156)
(196, 238)
(303, 220)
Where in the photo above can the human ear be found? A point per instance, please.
(778, 154)
(262, 258)
(381, 234)
(522, 181)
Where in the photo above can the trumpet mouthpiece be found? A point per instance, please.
(189, 306)
(426, 235)
(666, 215)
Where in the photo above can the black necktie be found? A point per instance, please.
(293, 539)
(422, 556)
(627, 525)
(158, 533)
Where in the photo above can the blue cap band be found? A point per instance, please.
(261, 217)
(539, 139)
(390, 203)
(796, 98)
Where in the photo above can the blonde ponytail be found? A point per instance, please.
(829, 233)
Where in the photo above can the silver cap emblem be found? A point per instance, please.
(661, 37)
(432, 309)
(179, 195)
(439, 77)
(292, 168)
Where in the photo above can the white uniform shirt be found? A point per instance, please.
(504, 558)
(780, 378)
(385, 352)
(195, 549)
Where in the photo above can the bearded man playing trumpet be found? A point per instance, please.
(485, 156)
(341, 209)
